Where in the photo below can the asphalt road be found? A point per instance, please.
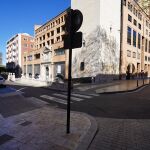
(123, 119)
(134, 105)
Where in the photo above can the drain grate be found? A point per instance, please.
(5, 138)
(25, 123)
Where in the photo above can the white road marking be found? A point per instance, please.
(83, 96)
(65, 96)
(58, 100)
(21, 89)
(94, 94)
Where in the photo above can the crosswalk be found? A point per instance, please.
(62, 97)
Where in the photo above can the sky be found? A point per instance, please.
(20, 16)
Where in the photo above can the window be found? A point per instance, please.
(58, 30)
(24, 59)
(43, 37)
(129, 35)
(25, 39)
(149, 47)
(134, 38)
(52, 33)
(82, 66)
(134, 54)
(48, 35)
(139, 26)
(58, 39)
(146, 23)
(128, 53)
(146, 32)
(30, 58)
(62, 19)
(63, 28)
(52, 41)
(146, 45)
(129, 18)
(59, 52)
(130, 6)
(48, 43)
(139, 40)
(25, 45)
(135, 22)
(37, 56)
(31, 45)
(145, 58)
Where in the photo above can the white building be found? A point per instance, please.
(18, 43)
(100, 53)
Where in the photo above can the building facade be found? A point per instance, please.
(16, 46)
(48, 58)
(135, 48)
(145, 5)
(100, 54)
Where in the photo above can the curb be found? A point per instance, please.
(115, 92)
(86, 140)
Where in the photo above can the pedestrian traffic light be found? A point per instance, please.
(73, 39)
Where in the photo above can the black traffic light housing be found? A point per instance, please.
(73, 39)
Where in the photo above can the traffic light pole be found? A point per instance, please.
(69, 78)
(73, 40)
(69, 90)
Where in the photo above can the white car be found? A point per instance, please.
(2, 80)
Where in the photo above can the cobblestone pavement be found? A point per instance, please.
(122, 134)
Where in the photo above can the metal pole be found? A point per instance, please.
(69, 90)
(137, 80)
(69, 79)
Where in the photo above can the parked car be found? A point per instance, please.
(2, 80)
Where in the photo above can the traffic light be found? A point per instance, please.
(73, 39)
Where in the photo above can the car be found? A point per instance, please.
(2, 80)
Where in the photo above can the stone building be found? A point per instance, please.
(116, 40)
(100, 54)
(48, 58)
(135, 48)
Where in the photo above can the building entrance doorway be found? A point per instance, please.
(47, 72)
(130, 71)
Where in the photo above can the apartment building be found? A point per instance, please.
(17, 45)
(135, 48)
(48, 58)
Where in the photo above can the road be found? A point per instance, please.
(123, 119)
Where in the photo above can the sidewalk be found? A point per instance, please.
(44, 128)
(116, 86)
(113, 87)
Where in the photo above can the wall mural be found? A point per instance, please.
(100, 55)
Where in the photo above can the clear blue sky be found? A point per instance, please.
(19, 16)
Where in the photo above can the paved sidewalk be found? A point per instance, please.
(44, 128)
(99, 88)
(122, 134)
(113, 87)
